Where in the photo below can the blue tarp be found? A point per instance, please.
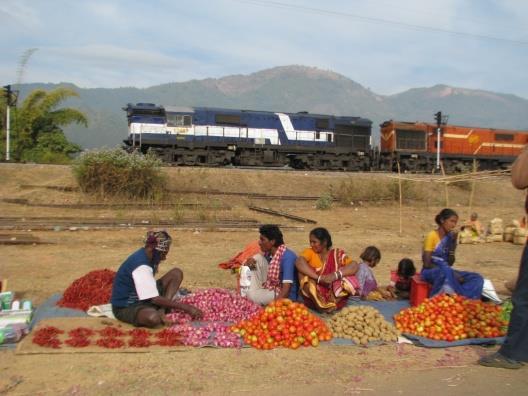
(388, 309)
(49, 309)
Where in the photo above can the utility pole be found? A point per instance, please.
(438, 118)
(11, 100)
(7, 90)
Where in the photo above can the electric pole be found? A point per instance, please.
(8, 93)
(438, 118)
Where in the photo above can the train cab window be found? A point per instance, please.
(329, 137)
(321, 123)
(227, 119)
(503, 137)
(317, 135)
(179, 120)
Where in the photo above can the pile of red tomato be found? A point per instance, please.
(283, 323)
(452, 318)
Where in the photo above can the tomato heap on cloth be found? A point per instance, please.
(283, 323)
(452, 318)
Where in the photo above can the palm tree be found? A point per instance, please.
(38, 124)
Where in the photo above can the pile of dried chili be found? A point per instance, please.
(94, 288)
(139, 338)
(167, 337)
(48, 336)
(79, 337)
(110, 337)
(110, 342)
(111, 332)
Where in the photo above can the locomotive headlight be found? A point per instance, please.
(414, 155)
(361, 153)
(231, 147)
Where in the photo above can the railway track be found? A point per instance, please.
(187, 191)
(126, 205)
(75, 223)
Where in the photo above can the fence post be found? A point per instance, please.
(401, 198)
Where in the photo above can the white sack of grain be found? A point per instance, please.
(495, 227)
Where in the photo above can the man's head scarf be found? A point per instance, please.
(161, 240)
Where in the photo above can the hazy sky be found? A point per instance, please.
(388, 46)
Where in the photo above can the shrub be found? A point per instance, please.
(376, 189)
(464, 185)
(324, 202)
(116, 173)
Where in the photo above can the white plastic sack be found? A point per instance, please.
(489, 291)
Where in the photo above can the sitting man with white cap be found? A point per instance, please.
(137, 297)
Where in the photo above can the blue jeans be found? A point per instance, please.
(516, 344)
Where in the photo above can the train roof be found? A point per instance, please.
(186, 109)
(419, 124)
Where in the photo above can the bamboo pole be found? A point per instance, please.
(456, 178)
(472, 194)
(445, 185)
(401, 198)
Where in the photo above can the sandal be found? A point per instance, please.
(499, 361)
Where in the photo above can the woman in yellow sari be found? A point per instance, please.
(326, 275)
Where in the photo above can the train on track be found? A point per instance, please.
(203, 136)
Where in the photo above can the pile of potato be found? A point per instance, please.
(362, 325)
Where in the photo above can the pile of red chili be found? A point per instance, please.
(79, 337)
(109, 337)
(140, 338)
(48, 337)
(94, 288)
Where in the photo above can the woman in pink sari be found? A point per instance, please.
(326, 275)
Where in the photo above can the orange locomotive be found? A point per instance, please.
(414, 145)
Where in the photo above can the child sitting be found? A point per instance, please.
(406, 271)
(369, 259)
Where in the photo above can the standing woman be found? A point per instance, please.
(326, 275)
(439, 256)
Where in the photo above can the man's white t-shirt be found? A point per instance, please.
(145, 282)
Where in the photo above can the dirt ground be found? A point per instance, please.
(37, 271)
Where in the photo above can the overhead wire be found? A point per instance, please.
(321, 11)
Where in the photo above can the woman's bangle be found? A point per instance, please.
(336, 275)
(318, 279)
(340, 274)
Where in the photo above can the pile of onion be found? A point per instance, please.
(217, 305)
(210, 334)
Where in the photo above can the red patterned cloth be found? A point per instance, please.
(272, 282)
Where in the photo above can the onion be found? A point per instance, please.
(220, 308)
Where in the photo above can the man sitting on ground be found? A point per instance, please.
(137, 297)
(273, 272)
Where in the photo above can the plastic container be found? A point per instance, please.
(15, 306)
(5, 300)
(394, 277)
(419, 290)
(9, 335)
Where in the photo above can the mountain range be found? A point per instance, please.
(291, 89)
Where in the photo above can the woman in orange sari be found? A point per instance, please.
(326, 275)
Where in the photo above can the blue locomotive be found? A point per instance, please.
(215, 137)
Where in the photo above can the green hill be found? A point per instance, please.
(292, 89)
